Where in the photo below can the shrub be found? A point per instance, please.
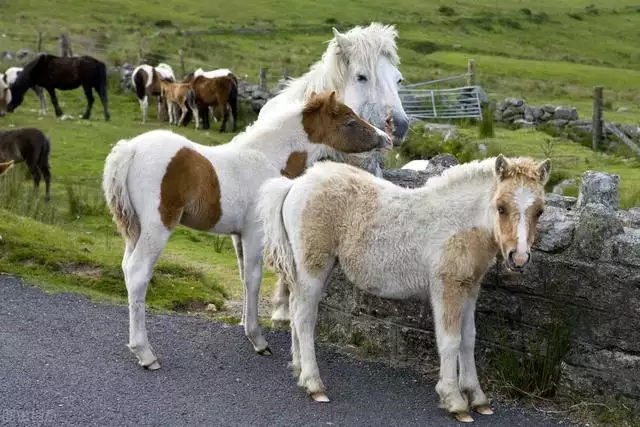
(446, 11)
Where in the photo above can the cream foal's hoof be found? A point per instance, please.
(319, 397)
(483, 410)
(463, 417)
(153, 366)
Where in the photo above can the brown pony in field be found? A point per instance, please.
(218, 92)
(146, 81)
(31, 146)
(178, 95)
(53, 72)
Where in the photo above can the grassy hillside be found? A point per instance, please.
(544, 51)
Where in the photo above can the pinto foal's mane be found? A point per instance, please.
(367, 44)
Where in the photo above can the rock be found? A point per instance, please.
(22, 53)
(558, 122)
(257, 104)
(599, 187)
(447, 132)
(559, 201)
(212, 308)
(559, 188)
(524, 124)
(482, 148)
(6, 55)
(412, 179)
(597, 223)
(565, 113)
(625, 248)
(622, 110)
(630, 218)
(555, 230)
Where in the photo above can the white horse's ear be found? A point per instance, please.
(544, 169)
(501, 166)
(341, 39)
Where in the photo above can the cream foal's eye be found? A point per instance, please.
(501, 210)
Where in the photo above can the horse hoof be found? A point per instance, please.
(265, 352)
(320, 397)
(483, 410)
(153, 366)
(463, 417)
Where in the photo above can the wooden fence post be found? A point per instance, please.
(39, 42)
(471, 73)
(65, 46)
(597, 123)
(263, 79)
(181, 53)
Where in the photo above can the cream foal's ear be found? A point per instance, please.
(502, 164)
(544, 169)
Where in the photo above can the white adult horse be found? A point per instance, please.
(435, 242)
(10, 77)
(158, 180)
(361, 65)
(146, 82)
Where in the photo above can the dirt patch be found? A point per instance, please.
(82, 270)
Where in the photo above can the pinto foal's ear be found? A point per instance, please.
(502, 164)
(544, 169)
(333, 99)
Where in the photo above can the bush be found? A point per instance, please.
(431, 144)
(486, 125)
(446, 11)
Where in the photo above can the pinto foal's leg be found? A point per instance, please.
(252, 260)
(138, 268)
(237, 245)
(468, 380)
(144, 106)
(447, 302)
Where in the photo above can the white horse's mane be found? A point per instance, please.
(366, 45)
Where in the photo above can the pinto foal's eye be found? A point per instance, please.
(539, 213)
(502, 210)
(361, 78)
(350, 123)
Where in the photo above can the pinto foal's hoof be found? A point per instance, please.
(153, 366)
(265, 352)
(320, 397)
(463, 417)
(483, 410)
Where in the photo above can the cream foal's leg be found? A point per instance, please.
(468, 380)
(280, 315)
(138, 271)
(307, 294)
(252, 259)
(295, 344)
(447, 315)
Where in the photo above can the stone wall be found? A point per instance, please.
(515, 112)
(585, 274)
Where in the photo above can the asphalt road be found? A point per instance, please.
(63, 361)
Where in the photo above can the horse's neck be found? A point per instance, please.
(466, 202)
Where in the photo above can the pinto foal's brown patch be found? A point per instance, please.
(296, 164)
(330, 122)
(467, 257)
(190, 192)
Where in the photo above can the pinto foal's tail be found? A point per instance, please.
(278, 252)
(116, 192)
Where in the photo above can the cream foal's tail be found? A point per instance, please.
(278, 252)
(116, 192)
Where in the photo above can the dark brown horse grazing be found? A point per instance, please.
(218, 92)
(31, 146)
(53, 72)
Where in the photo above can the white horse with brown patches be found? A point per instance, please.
(158, 180)
(146, 81)
(436, 242)
(361, 65)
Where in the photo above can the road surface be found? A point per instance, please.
(63, 361)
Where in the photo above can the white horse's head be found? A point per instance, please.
(363, 64)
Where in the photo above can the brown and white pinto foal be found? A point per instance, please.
(158, 180)
(435, 242)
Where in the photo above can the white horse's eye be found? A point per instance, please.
(400, 80)
(361, 78)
